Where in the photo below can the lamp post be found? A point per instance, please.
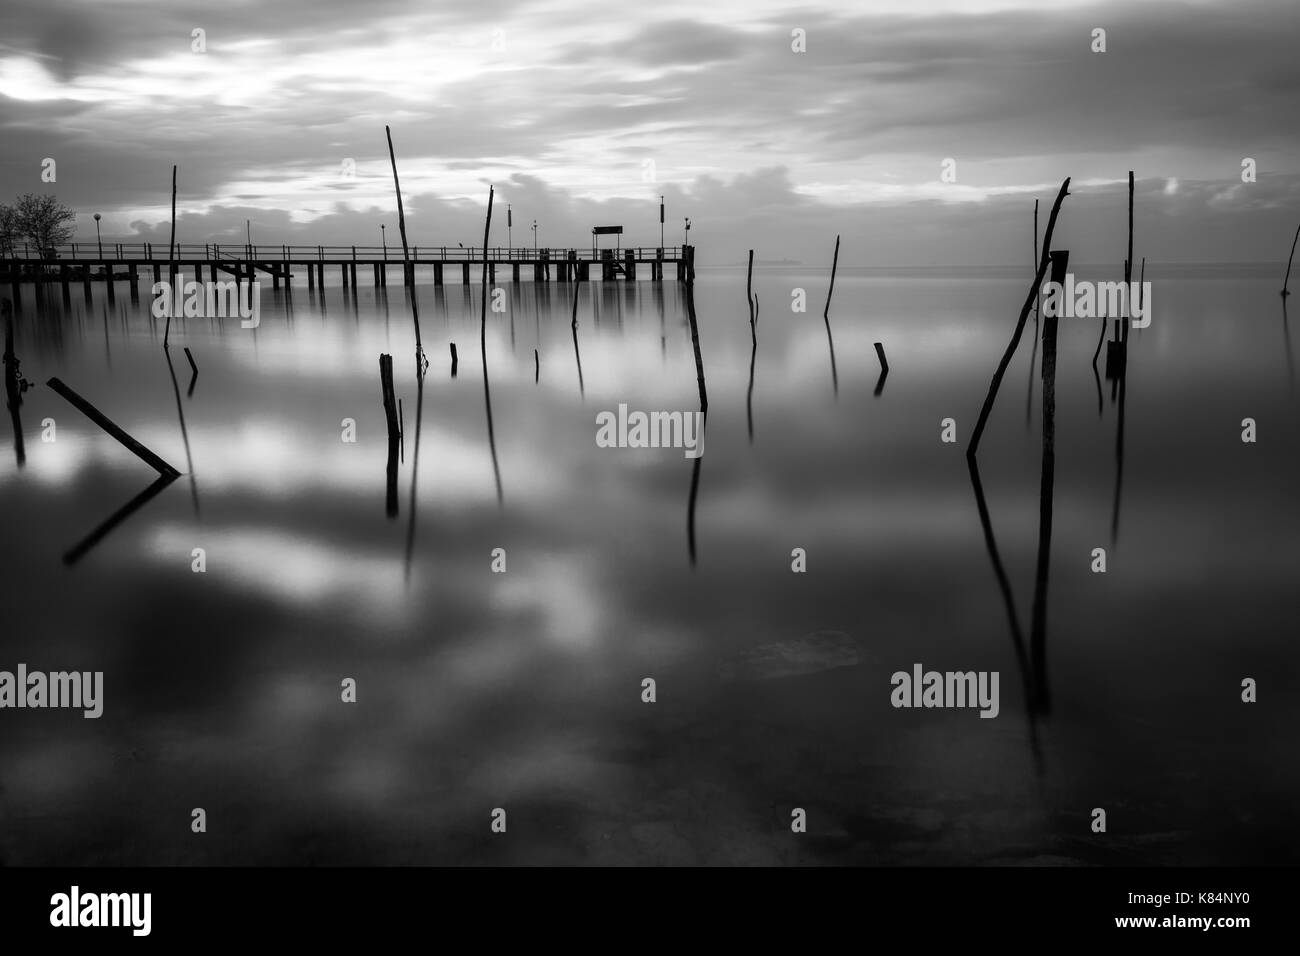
(534, 238)
(510, 243)
(383, 237)
(661, 222)
(98, 242)
(687, 240)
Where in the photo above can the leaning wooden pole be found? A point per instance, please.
(1020, 323)
(487, 229)
(1037, 300)
(171, 261)
(401, 214)
(104, 422)
(408, 268)
(1285, 293)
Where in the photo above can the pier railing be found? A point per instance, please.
(208, 252)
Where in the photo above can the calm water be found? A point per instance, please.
(522, 690)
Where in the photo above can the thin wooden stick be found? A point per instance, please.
(826, 317)
(749, 287)
(1285, 293)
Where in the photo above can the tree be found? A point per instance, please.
(9, 231)
(44, 221)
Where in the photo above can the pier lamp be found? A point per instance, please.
(99, 242)
(687, 240)
(534, 238)
(383, 238)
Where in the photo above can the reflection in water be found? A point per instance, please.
(1047, 483)
(753, 354)
(698, 463)
(826, 317)
(79, 550)
(13, 389)
(415, 474)
(1029, 386)
(1008, 601)
(1286, 344)
(185, 435)
(314, 578)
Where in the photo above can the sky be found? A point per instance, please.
(585, 114)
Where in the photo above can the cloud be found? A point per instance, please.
(570, 109)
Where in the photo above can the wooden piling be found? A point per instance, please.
(537, 367)
(389, 399)
(880, 354)
(454, 360)
(394, 434)
(104, 422)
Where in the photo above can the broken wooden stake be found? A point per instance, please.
(103, 421)
(454, 360)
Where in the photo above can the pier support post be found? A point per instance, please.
(157, 274)
(465, 272)
(63, 281)
(514, 272)
(437, 273)
(629, 265)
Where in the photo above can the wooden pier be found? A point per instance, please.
(92, 262)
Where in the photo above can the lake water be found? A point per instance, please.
(522, 690)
